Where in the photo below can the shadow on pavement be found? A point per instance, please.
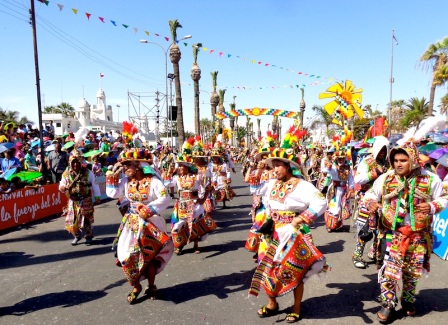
(333, 247)
(62, 235)
(347, 302)
(64, 299)
(20, 259)
(219, 286)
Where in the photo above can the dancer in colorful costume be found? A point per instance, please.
(257, 175)
(143, 247)
(189, 221)
(325, 178)
(167, 167)
(369, 169)
(292, 205)
(78, 183)
(339, 191)
(221, 176)
(406, 199)
(204, 168)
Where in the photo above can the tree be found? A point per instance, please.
(175, 56)
(444, 106)
(206, 130)
(214, 97)
(13, 116)
(417, 109)
(323, 118)
(67, 109)
(196, 76)
(240, 134)
(436, 56)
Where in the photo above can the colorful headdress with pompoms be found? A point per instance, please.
(137, 154)
(185, 156)
(198, 147)
(218, 149)
(286, 151)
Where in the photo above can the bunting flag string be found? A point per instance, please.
(212, 51)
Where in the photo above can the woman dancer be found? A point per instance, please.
(291, 256)
(190, 223)
(143, 247)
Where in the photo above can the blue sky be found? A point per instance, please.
(331, 39)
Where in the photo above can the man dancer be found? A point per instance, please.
(406, 199)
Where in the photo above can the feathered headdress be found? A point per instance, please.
(128, 131)
(429, 124)
(292, 137)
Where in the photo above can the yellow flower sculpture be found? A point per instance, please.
(347, 101)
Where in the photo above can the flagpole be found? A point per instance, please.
(391, 76)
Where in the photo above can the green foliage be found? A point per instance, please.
(13, 116)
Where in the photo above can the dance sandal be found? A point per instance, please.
(133, 295)
(267, 312)
(385, 314)
(178, 251)
(359, 262)
(292, 318)
(151, 292)
(408, 308)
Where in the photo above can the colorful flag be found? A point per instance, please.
(101, 75)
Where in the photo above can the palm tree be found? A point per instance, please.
(436, 56)
(214, 97)
(323, 118)
(196, 75)
(52, 110)
(67, 109)
(175, 56)
(206, 129)
(417, 110)
(221, 108)
(444, 106)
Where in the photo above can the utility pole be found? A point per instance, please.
(36, 66)
(157, 116)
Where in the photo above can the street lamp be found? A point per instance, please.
(166, 52)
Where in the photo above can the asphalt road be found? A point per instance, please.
(45, 280)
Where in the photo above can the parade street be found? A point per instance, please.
(45, 280)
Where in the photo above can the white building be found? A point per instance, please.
(97, 117)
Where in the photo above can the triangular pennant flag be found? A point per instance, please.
(60, 7)
(185, 43)
(297, 86)
(88, 15)
(125, 26)
(113, 22)
(204, 49)
(135, 30)
(46, 2)
(211, 51)
(266, 65)
(300, 73)
(253, 61)
(146, 32)
(312, 76)
(259, 62)
(157, 34)
(167, 39)
(102, 19)
(75, 11)
(220, 54)
(229, 55)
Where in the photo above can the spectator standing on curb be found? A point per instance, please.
(57, 163)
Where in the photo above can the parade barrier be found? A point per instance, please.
(26, 205)
(439, 227)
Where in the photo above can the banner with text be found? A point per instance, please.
(26, 205)
(439, 230)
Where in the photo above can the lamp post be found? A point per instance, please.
(166, 52)
(171, 76)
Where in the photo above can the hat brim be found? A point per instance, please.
(185, 163)
(269, 161)
(260, 154)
